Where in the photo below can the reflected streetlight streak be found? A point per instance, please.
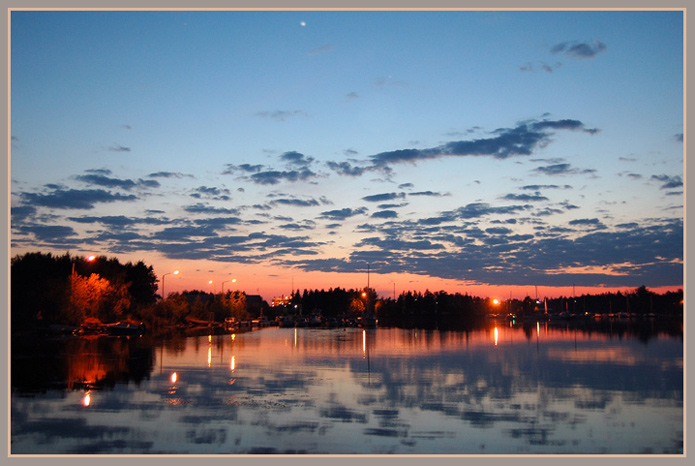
(232, 365)
(174, 376)
(364, 342)
(497, 335)
(87, 400)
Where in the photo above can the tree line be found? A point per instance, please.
(70, 290)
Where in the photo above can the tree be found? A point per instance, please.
(95, 297)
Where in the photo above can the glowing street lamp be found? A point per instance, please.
(233, 280)
(88, 259)
(175, 272)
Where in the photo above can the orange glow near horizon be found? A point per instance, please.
(190, 275)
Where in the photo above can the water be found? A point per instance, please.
(497, 390)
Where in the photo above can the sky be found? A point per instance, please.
(494, 153)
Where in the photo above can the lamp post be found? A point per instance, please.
(175, 272)
(233, 280)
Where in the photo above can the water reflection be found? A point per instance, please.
(366, 391)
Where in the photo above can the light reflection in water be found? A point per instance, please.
(364, 343)
(87, 400)
(565, 392)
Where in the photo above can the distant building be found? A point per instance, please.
(281, 301)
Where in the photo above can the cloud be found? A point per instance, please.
(539, 66)
(204, 209)
(385, 214)
(590, 222)
(74, 198)
(118, 221)
(169, 175)
(341, 214)
(650, 252)
(481, 209)
(295, 202)
(296, 159)
(275, 177)
(108, 182)
(49, 233)
(577, 49)
(525, 197)
(562, 169)
(212, 193)
(383, 197)
(519, 141)
(669, 182)
(22, 213)
(119, 148)
(538, 187)
(244, 167)
(428, 193)
(280, 115)
(345, 168)
(352, 95)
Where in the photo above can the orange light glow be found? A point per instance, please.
(495, 301)
(364, 341)
(497, 335)
(91, 258)
(232, 365)
(86, 400)
(209, 357)
(174, 376)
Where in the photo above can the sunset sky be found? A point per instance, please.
(480, 152)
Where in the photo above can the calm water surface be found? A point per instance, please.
(497, 390)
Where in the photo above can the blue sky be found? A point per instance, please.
(461, 150)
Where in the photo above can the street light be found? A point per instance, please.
(88, 259)
(233, 280)
(175, 272)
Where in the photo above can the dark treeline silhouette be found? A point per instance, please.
(70, 290)
(48, 289)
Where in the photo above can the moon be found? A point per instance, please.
(303, 23)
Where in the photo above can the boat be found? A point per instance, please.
(125, 329)
(367, 322)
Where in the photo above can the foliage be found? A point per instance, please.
(47, 289)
